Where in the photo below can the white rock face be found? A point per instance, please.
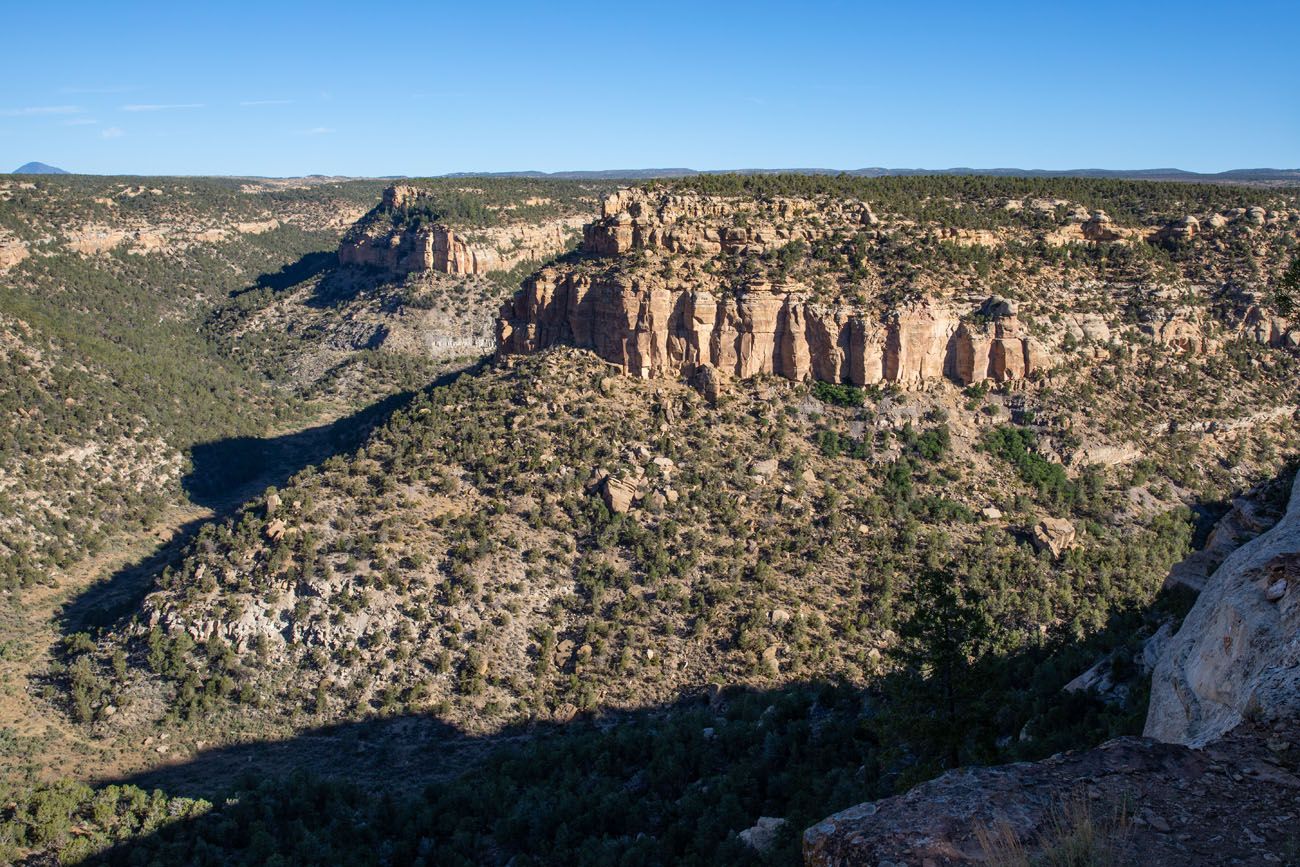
(1237, 654)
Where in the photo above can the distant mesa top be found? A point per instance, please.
(39, 169)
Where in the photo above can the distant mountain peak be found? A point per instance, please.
(39, 169)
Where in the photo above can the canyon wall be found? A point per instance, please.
(402, 249)
(676, 281)
(651, 323)
(653, 330)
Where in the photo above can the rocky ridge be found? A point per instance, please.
(403, 246)
(665, 304)
(1130, 801)
(653, 326)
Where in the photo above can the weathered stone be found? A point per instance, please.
(402, 248)
(617, 494)
(650, 325)
(762, 836)
(1099, 227)
(977, 816)
(708, 383)
(1235, 655)
(1055, 535)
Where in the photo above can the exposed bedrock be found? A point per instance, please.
(652, 330)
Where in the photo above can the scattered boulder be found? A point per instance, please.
(762, 836)
(275, 529)
(1179, 230)
(618, 495)
(708, 382)
(1056, 535)
(771, 662)
(997, 307)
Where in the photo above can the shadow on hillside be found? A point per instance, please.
(229, 471)
(653, 785)
(294, 273)
(411, 784)
(337, 284)
(343, 283)
(307, 266)
(108, 601)
(225, 474)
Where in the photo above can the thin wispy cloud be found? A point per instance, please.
(80, 121)
(173, 106)
(112, 132)
(40, 110)
(250, 102)
(317, 130)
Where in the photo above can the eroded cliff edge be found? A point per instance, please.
(681, 317)
(671, 282)
(406, 233)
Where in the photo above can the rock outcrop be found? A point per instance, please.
(651, 324)
(653, 330)
(385, 240)
(1237, 655)
(12, 251)
(1100, 227)
(1055, 535)
(1261, 326)
(1142, 802)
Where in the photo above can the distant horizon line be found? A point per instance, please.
(1166, 173)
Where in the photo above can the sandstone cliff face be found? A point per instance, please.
(403, 249)
(650, 330)
(1237, 655)
(650, 324)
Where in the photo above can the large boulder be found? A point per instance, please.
(1237, 654)
(762, 836)
(1100, 227)
(619, 495)
(708, 382)
(1055, 535)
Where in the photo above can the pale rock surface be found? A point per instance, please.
(762, 835)
(1237, 654)
(377, 242)
(651, 325)
(618, 494)
(1055, 535)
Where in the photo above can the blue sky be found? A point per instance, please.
(378, 89)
